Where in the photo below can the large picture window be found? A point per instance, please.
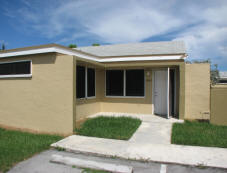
(85, 82)
(125, 83)
(90, 82)
(19, 68)
(134, 83)
(80, 82)
(114, 82)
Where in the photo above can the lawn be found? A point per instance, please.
(199, 134)
(16, 146)
(87, 170)
(109, 127)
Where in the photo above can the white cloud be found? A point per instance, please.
(116, 21)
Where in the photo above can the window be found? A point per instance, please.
(90, 82)
(134, 82)
(114, 82)
(80, 82)
(125, 83)
(85, 82)
(15, 68)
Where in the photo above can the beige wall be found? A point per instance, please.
(197, 91)
(47, 102)
(43, 102)
(218, 104)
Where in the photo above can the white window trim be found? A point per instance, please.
(18, 75)
(86, 92)
(124, 85)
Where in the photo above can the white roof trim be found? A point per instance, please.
(143, 58)
(90, 57)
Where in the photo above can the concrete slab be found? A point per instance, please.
(153, 133)
(150, 142)
(143, 117)
(81, 163)
(186, 155)
(40, 163)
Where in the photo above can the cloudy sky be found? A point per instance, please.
(202, 24)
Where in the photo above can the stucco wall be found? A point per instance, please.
(42, 103)
(197, 91)
(218, 105)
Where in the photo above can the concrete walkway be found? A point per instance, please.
(40, 163)
(151, 142)
(154, 129)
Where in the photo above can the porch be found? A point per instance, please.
(152, 88)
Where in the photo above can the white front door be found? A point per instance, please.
(160, 92)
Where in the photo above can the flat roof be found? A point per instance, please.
(86, 55)
(132, 49)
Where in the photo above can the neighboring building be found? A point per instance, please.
(49, 88)
(222, 77)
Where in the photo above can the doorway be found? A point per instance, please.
(164, 92)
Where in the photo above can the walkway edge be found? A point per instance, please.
(81, 163)
(118, 155)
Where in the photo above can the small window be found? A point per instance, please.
(85, 82)
(134, 82)
(15, 68)
(90, 82)
(114, 82)
(80, 82)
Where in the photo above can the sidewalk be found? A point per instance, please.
(151, 142)
(187, 155)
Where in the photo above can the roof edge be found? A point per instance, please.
(47, 48)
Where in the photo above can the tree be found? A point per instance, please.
(95, 44)
(72, 46)
(214, 74)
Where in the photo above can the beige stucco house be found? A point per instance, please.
(49, 88)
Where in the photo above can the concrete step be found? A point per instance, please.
(81, 163)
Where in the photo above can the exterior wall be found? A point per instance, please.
(197, 91)
(42, 103)
(218, 105)
(89, 106)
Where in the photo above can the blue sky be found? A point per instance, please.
(201, 24)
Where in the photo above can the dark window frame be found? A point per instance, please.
(106, 80)
(141, 91)
(124, 84)
(82, 87)
(86, 83)
(16, 75)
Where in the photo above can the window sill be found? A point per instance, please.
(16, 76)
(86, 98)
(140, 97)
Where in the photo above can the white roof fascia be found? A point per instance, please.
(48, 50)
(143, 58)
(90, 57)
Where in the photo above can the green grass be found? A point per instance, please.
(109, 127)
(199, 134)
(87, 170)
(16, 146)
